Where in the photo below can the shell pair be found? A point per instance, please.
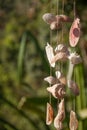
(55, 21)
(59, 117)
(61, 53)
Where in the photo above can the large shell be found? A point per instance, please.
(61, 77)
(49, 18)
(51, 80)
(50, 54)
(73, 121)
(49, 114)
(74, 34)
(57, 90)
(73, 87)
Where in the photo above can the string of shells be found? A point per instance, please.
(58, 82)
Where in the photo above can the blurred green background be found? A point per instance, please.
(23, 64)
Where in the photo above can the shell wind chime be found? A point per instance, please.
(61, 53)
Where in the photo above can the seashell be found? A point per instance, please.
(49, 114)
(74, 33)
(75, 58)
(49, 18)
(55, 25)
(50, 54)
(73, 121)
(63, 18)
(60, 116)
(61, 77)
(61, 47)
(51, 80)
(57, 90)
(59, 56)
(73, 87)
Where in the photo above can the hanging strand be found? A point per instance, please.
(57, 3)
(74, 8)
(62, 13)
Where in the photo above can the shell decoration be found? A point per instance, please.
(73, 121)
(74, 33)
(49, 114)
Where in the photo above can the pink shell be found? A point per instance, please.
(74, 33)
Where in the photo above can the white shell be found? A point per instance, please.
(55, 25)
(49, 114)
(75, 58)
(61, 77)
(57, 90)
(73, 121)
(50, 54)
(49, 18)
(60, 116)
(51, 80)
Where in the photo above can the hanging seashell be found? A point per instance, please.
(57, 90)
(50, 54)
(74, 34)
(49, 114)
(75, 58)
(63, 18)
(59, 56)
(49, 18)
(55, 25)
(73, 121)
(61, 77)
(60, 116)
(73, 87)
(61, 48)
(51, 80)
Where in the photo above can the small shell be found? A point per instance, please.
(73, 121)
(61, 77)
(62, 48)
(75, 58)
(51, 80)
(64, 18)
(73, 87)
(49, 18)
(49, 114)
(55, 25)
(74, 34)
(57, 90)
(59, 56)
(50, 54)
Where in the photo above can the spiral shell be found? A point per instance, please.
(49, 114)
(74, 33)
(73, 121)
(51, 80)
(57, 90)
